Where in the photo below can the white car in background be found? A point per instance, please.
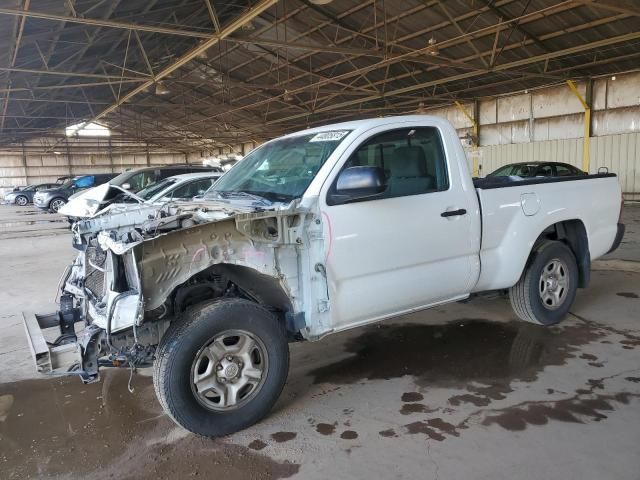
(179, 187)
(114, 198)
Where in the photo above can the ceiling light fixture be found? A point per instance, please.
(248, 27)
(162, 89)
(433, 48)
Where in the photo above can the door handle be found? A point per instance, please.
(453, 213)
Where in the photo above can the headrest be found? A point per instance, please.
(408, 162)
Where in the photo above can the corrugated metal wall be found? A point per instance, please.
(17, 169)
(619, 153)
(493, 156)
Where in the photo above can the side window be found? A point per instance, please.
(413, 160)
(563, 171)
(189, 190)
(544, 171)
(202, 186)
(141, 180)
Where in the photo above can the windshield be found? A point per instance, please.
(281, 170)
(68, 183)
(519, 170)
(156, 188)
(501, 172)
(121, 178)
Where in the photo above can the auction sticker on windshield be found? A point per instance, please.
(329, 136)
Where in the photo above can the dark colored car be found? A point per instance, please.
(23, 196)
(136, 180)
(53, 198)
(537, 169)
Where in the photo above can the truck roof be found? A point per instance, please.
(369, 123)
(192, 176)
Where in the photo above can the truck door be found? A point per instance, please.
(414, 245)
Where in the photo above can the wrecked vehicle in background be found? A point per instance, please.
(311, 234)
(111, 198)
(130, 186)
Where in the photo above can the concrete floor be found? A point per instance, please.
(459, 392)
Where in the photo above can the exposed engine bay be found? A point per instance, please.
(140, 266)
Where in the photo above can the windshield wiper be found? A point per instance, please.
(241, 194)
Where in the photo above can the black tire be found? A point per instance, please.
(525, 296)
(22, 200)
(56, 204)
(180, 346)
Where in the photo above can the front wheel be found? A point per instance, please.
(221, 367)
(56, 204)
(22, 200)
(545, 292)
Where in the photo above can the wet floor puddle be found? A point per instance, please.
(483, 359)
(59, 427)
(448, 355)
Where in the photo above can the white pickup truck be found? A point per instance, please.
(313, 233)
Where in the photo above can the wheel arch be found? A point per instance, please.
(503, 265)
(573, 233)
(225, 280)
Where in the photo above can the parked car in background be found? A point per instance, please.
(139, 178)
(537, 169)
(23, 196)
(53, 199)
(179, 187)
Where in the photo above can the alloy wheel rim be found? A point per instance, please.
(229, 371)
(56, 205)
(554, 284)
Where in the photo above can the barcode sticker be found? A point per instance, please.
(329, 136)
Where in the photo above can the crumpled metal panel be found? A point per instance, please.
(170, 259)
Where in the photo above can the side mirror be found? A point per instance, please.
(126, 186)
(198, 198)
(358, 183)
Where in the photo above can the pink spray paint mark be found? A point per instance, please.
(330, 234)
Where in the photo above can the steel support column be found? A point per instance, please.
(587, 121)
(474, 127)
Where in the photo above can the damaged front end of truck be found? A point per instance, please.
(139, 267)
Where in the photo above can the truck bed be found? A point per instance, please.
(514, 212)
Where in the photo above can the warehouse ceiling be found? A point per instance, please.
(199, 74)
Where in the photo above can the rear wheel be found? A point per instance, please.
(545, 292)
(222, 367)
(22, 200)
(56, 204)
